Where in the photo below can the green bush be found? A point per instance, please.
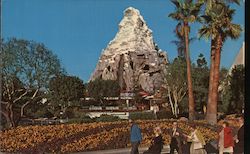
(69, 113)
(43, 113)
(74, 120)
(73, 112)
(163, 114)
(107, 118)
(141, 115)
(87, 119)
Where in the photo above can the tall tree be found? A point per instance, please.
(201, 82)
(99, 89)
(26, 69)
(187, 12)
(217, 26)
(176, 84)
(64, 89)
(233, 90)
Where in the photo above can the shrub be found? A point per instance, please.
(199, 116)
(163, 114)
(141, 115)
(43, 113)
(73, 112)
(107, 118)
(87, 119)
(184, 114)
(69, 113)
(74, 120)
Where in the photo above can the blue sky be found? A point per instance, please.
(77, 30)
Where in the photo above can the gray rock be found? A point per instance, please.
(132, 57)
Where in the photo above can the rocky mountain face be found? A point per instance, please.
(132, 57)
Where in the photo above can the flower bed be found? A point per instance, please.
(87, 137)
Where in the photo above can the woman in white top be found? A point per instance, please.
(198, 142)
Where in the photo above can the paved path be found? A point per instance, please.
(165, 150)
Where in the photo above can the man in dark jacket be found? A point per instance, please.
(135, 137)
(239, 146)
(176, 139)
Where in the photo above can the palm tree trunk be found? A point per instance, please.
(191, 104)
(211, 77)
(215, 85)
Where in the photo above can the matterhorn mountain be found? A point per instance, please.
(132, 57)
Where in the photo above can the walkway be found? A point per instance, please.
(165, 150)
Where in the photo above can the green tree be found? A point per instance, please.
(234, 91)
(217, 26)
(64, 90)
(176, 85)
(26, 69)
(201, 82)
(187, 12)
(99, 89)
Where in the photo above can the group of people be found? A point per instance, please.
(230, 143)
(227, 141)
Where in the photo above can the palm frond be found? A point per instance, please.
(234, 1)
(179, 30)
(176, 3)
(205, 32)
(177, 16)
(234, 31)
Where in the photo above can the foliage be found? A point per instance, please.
(141, 115)
(186, 12)
(164, 114)
(217, 26)
(233, 91)
(43, 113)
(176, 84)
(70, 138)
(201, 82)
(65, 91)
(87, 119)
(107, 118)
(218, 21)
(100, 88)
(27, 67)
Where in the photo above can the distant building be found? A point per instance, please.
(240, 58)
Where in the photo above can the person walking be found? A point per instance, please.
(157, 143)
(198, 142)
(239, 146)
(226, 141)
(135, 137)
(176, 139)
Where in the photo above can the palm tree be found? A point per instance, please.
(187, 12)
(218, 26)
(180, 42)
